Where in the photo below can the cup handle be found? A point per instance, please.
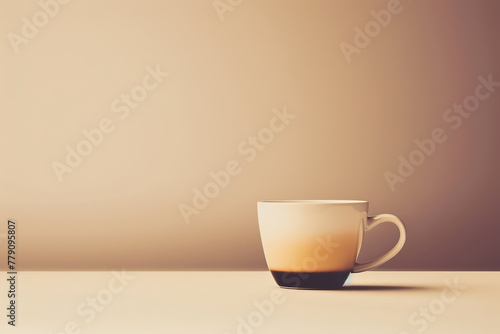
(370, 223)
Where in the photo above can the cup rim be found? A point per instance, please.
(314, 201)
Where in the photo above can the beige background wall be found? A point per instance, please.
(120, 206)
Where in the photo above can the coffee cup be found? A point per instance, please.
(314, 244)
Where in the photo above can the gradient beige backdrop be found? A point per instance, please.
(120, 206)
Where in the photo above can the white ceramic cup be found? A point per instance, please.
(314, 244)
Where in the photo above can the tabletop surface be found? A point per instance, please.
(399, 302)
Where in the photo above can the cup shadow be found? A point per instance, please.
(386, 288)
(371, 288)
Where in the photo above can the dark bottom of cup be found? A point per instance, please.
(329, 280)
